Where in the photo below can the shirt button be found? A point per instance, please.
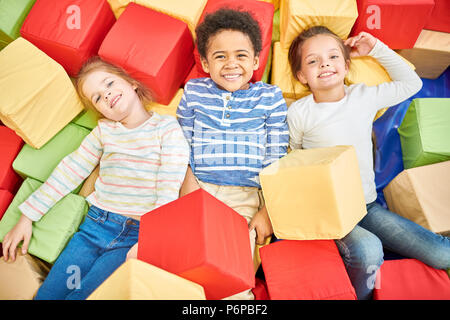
(228, 98)
(229, 107)
(227, 115)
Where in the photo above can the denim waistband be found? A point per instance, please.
(104, 215)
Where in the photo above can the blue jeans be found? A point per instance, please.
(93, 254)
(362, 248)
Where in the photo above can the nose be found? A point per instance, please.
(107, 95)
(231, 63)
(325, 63)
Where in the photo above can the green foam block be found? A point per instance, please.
(38, 164)
(12, 16)
(425, 132)
(87, 119)
(54, 230)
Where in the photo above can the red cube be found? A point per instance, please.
(396, 23)
(305, 270)
(152, 47)
(5, 200)
(200, 239)
(260, 290)
(68, 31)
(10, 146)
(440, 17)
(411, 279)
(262, 12)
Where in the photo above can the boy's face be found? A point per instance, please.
(230, 60)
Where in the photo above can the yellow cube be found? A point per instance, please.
(37, 97)
(187, 11)
(314, 193)
(421, 195)
(20, 280)
(170, 109)
(138, 280)
(297, 16)
(282, 75)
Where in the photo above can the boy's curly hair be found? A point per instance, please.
(228, 19)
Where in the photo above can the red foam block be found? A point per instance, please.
(153, 48)
(397, 23)
(68, 31)
(10, 146)
(305, 270)
(200, 239)
(260, 290)
(5, 200)
(261, 11)
(440, 17)
(411, 279)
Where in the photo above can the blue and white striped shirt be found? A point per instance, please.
(233, 135)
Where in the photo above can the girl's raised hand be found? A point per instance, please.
(361, 44)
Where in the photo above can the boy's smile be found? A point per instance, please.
(230, 60)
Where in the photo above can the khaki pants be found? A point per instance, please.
(246, 201)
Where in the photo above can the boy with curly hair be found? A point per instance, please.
(234, 128)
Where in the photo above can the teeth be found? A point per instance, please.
(326, 74)
(231, 76)
(115, 100)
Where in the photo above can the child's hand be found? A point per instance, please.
(21, 231)
(262, 224)
(361, 44)
(132, 253)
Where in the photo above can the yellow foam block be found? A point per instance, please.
(187, 11)
(138, 280)
(431, 53)
(37, 97)
(296, 16)
(20, 280)
(314, 194)
(421, 195)
(170, 109)
(282, 75)
(276, 3)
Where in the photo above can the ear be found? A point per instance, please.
(347, 66)
(204, 63)
(256, 63)
(301, 77)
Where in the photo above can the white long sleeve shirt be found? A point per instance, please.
(349, 120)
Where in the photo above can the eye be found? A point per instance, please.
(242, 55)
(311, 61)
(334, 57)
(110, 83)
(96, 99)
(220, 56)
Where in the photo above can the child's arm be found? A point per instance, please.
(68, 174)
(405, 81)
(276, 147)
(276, 130)
(174, 160)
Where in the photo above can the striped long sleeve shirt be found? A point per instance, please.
(140, 168)
(233, 135)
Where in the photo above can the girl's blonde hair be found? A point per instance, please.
(295, 50)
(97, 64)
